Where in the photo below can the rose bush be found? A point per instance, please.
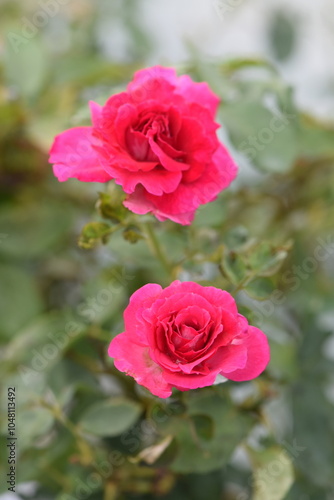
(184, 336)
(157, 140)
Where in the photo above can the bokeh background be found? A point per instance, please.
(269, 240)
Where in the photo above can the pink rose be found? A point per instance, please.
(157, 140)
(184, 336)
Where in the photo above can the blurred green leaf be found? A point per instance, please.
(32, 424)
(27, 63)
(34, 229)
(210, 215)
(239, 63)
(283, 360)
(267, 138)
(260, 288)
(209, 434)
(105, 296)
(204, 426)
(266, 259)
(282, 34)
(273, 473)
(38, 346)
(316, 138)
(313, 431)
(236, 238)
(66, 377)
(234, 267)
(110, 418)
(20, 299)
(251, 262)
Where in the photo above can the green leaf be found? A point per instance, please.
(20, 301)
(260, 288)
(110, 292)
(41, 344)
(208, 434)
(211, 214)
(236, 238)
(32, 424)
(273, 473)
(266, 259)
(283, 360)
(267, 139)
(316, 139)
(282, 35)
(110, 418)
(32, 230)
(234, 267)
(28, 396)
(238, 64)
(66, 377)
(26, 64)
(204, 426)
(256, 260)
(314, 429)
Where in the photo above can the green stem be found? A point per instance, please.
(157, 248)
(242, 284)
(85, 449)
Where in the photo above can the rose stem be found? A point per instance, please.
(156, 248)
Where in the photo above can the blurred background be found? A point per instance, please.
(270, 239)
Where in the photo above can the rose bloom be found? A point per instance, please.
(157, 140)
(185, 336)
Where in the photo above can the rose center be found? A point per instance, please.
(152, 125)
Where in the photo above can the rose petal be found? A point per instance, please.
(137, 202)
(166, 161)
(228, 359)
(74, 156)
(138, 146)
(188, 197)
(157, 182)
(134, 360)
(152, 83)
(188, 381)
(193, 316)
(143, 297)
(96, 113)
(198, 92)
(258, 356)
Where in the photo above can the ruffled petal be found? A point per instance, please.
(74, 156)
(228, 359)
(145, 296)
(134, 360)
(188, 197)
(157, 182)
(137, 202)
(258, 356)
(166, 161)
(185, 381)
(152, 83)
(198, 92)
(96, 113)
